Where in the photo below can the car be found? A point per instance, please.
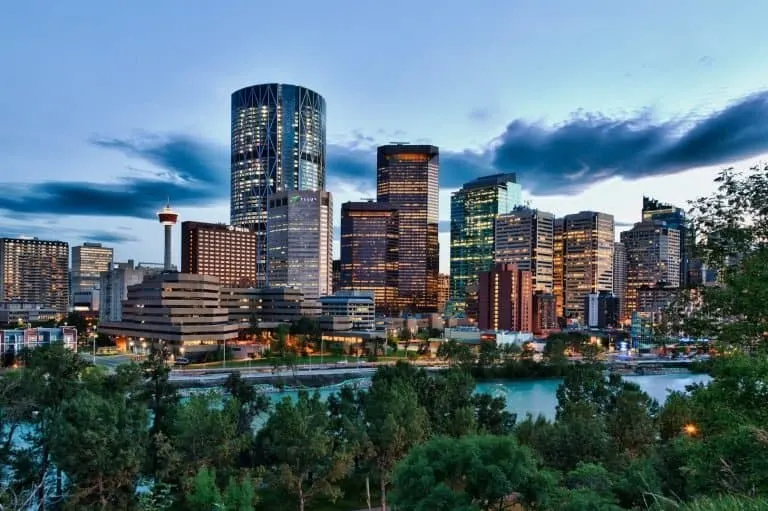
(181, 361)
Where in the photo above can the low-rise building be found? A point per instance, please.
(358, 306)
(113, 287)
(14, 341)
(266, 305)
(178, 308)
(23, 313)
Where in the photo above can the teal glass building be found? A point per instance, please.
(474, 209)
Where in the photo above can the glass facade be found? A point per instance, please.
(300, 233)
(474, 209)
(588, 239)
(407, 178)
(370, 233)
(89, 260)
(674, 217)
(278, 144)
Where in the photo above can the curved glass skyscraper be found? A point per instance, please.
(278, 144)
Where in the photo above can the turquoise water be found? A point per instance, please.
(539, 396)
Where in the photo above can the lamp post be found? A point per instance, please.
(93, 336)
(133, 353)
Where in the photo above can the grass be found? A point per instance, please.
(266, 362)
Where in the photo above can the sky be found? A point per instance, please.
(109, 108)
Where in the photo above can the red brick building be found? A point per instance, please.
(505, 299)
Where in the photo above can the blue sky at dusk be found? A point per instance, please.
(106, 108)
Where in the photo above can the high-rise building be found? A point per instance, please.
(114, 284)
(588, 239)
(300, 241)
(336, 275)
(220, 250)
(370, 234)
(89, 260)
(653, 259)
(278, 144)
(558, 265)
(526, 237)
(35, 271)
(474, 209)
(674, 217)
(443, 291)
(407, 178)
(620, 277)
(544, 313)
(505, 299)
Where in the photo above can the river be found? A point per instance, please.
(539, 396)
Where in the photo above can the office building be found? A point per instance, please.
(369, 248)
(114, 285)
(278, 144)
(505, 299)
(525, 237)
(219, 250)
(601, 310)
(558, 265)
(474, 209)
(15, 313)
(336, 275)
(653, 301)
(249, 307)
(300, 241)
(357, 307)
(674, 218)
(406, 178)
(653, 259)
(89, 260)
(443, 291)
(177, 308)
(588, 239)
(35, 271)
(620, 277)
(544, 313)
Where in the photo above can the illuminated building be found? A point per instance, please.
(35, 271)
(336, 275)
(370, 233)
(674, 217)
(443, 291)
(178, 308)
(356, 307)
(278, 144)
(526, 237)
(601, 310)
(407, 178)
(558, 256)
(249, 306)
(219, 250)
(300, 241)
(89, 260)
(505, 299)
(544, 313)
(653, 259)
(588, 239)
(474, 209)
(620, 277)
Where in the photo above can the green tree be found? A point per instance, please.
(298, 449)
(250, 403)
(470, 473)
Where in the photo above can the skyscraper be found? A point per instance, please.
(300, 248)
(219, 250)
(35, 271)
(407, 179)
(89, 260)
(505, 299)
(278, 144)
(526, 237)
(474, 209)
(558, 262)
(588, 239)
(370, 233)
(620, 277)
(674, 217)
(653, 258)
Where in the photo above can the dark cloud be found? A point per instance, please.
(190, 172)
(45, 230)
(590, 148)
(107, 237)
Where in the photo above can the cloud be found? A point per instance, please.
(109, 237)
(622, 224)
(590, 148)
(481, 115)
(190, 172)
(46, 230)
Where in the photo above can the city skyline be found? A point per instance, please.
(131, 124)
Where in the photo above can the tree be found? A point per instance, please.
(395, 423)
(206, 496)
(250, 403)
(470, 473)
(631, 419)
(299, 450)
